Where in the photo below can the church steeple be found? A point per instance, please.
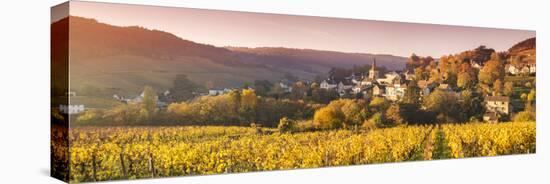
(373, 74)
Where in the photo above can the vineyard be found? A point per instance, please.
(109, 153)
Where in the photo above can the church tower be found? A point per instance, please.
(373, 73)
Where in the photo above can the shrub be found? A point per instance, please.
(525, 116)
(369, 125)
(328, 118)
(305, 125)
(378, 119)
(89, 117)
(286, 125)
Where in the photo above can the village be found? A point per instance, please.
(391, 86)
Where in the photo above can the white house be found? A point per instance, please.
(71, 109)
(512, 69)
(532, 68)
(378, 90)
(343, 86)
(218, 91)
(498, 104)
(395, 91)
(328, 84)
(525, 70)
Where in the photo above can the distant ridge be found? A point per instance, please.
(126, 58)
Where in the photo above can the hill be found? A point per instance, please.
(122, 60)
(523, 52)
(527, 44)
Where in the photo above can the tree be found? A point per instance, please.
(299, 90)
(497, 87)
(184, 88)
(471, 105)
(394, 115)
(262, 87)
(466, 78)
(353, 111)
(444, 104)
(235, 101)
(277, 91)
(421, 73)
(248, 106)
(323, 96)
(377, 119)
(379, 103)
(531, 104)
(328, 118)
(286, 125)
(508, 88)
(412, 94)
(149, 101)
(343, 113)
(413, 62)
(531, 96)
(492, 70)
(482, 54)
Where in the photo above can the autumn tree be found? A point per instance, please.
(235, 102)
(354, 112)
(376, 119)
(248, 106)
(379, 103)
(328, 118)
(149, 101)
(531, 98)
(497, 87)
(348, 114)
(482, 54)
(471, 105)
(492, 71)
(444, 104)
(412, 94)
(421, 73)
(467, 77)
(508, 88)
(393, 114)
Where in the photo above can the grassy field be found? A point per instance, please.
(95, 102)
(109, 153)
(131, 73)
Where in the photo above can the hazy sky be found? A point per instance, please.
(226, 28)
